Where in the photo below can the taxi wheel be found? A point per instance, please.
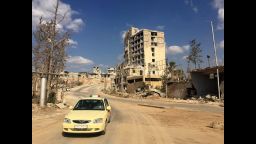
(105, 129)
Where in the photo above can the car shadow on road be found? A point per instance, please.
(89, 135)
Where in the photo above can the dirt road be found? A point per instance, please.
(134, 124)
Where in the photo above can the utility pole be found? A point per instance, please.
(43, 91)
(216, 60)
(105, 84)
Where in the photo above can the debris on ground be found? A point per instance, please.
(217, 125)
(156, 91)
(60, 105)
(35, 107)
(50, 104)
(222, 104)
(208, 96)
(154, 95)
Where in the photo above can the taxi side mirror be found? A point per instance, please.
(108, 108)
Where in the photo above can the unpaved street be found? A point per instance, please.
(134, 124)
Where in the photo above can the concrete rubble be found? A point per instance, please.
(217, 125)
(50, 104)
(208, 99)
(60, 105)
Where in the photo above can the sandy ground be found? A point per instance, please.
(132, 124)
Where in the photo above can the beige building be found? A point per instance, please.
(144, 56)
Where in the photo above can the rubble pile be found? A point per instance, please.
(217, 125)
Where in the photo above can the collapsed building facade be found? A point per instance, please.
(144, 59)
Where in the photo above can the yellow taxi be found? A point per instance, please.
(89, 115)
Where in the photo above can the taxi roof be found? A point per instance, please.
(97, 97)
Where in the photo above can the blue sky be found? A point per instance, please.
(102, 22)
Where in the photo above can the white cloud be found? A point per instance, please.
(191, 4)
(195, 9)
(222, 44)
(160, 27)
(186, 47)
(219, 5)
(72, 42)
(184, 57)
(123, 34)
(175, 49)
(186, 2)
(45, 9)
(79, 60)
(75, 25)
(221, 19)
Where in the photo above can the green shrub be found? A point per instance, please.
(51, 97)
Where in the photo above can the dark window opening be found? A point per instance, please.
(153, 33)
(152, 79)
(141, 72)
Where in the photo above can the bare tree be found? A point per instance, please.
(48, 51)
(195, 53)
(172, 66)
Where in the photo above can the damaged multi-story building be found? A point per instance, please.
(144, 58)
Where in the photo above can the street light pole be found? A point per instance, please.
(43, 91)
(216, 60)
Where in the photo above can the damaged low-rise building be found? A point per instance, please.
(205, 81)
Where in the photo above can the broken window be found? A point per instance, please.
(152, 79)
(153, 33)
(153, 60)
(153, 54)
(133, 71)
(154, 43)
(153, 49)
(153, 39)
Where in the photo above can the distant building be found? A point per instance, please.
(111, 72)
(96, 70)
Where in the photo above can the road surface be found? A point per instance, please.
(130, 124)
